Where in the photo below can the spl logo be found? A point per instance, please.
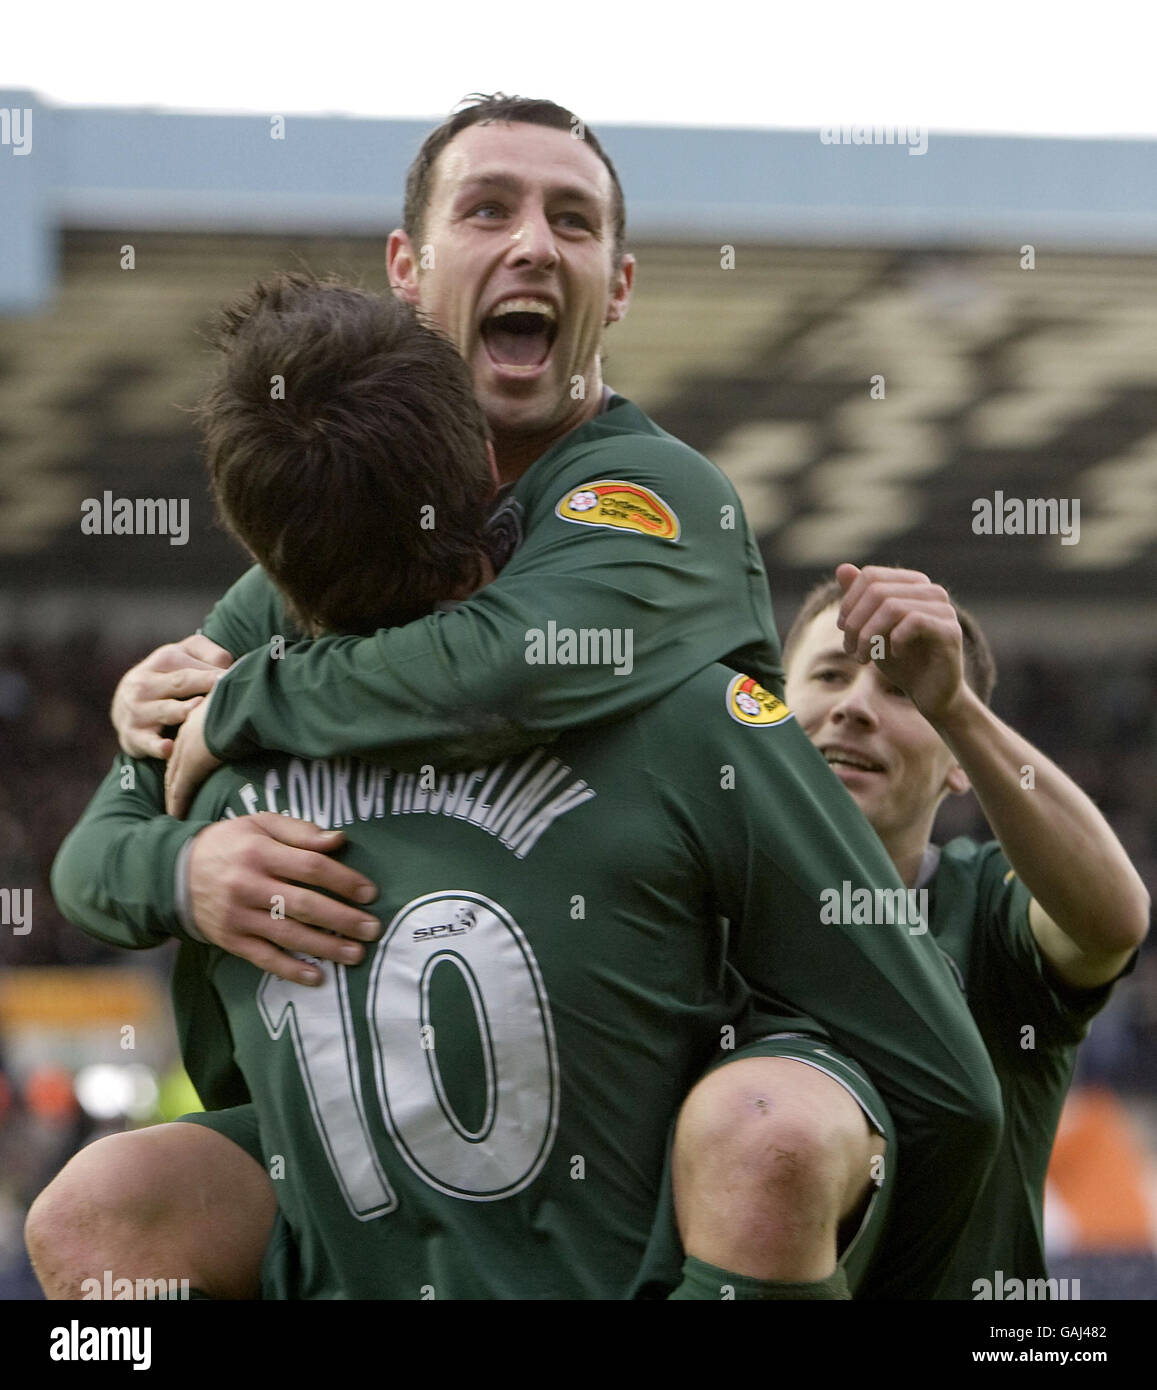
(749, 703)
(621, 506)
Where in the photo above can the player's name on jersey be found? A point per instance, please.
(514, 800)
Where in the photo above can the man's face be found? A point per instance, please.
(520, 216)
(875, 740)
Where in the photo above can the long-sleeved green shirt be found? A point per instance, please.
(628, 532)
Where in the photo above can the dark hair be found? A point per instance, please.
(362, 483)
(979, 663)
(480, 109)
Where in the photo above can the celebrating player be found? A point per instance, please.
(1039, 922)
(513, 232)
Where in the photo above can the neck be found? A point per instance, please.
(515, 451)
(906, 850)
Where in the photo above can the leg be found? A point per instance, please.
(172, 1201)
(771, 1157)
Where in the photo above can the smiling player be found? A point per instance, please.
(1039, 922)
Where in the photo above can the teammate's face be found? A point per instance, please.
(520, 213)
(873, 737)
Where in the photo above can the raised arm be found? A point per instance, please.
(1090, 909)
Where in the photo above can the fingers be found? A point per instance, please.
(161, 714)
(204, 650)
(878, 598)
(269, 941)
(146, 744)
(157, 692)
(250, 897)
(175, 685)
(301, 854)
(266, 957)
(179, 789)
(882, 619)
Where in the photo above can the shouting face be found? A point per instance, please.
(517, 267)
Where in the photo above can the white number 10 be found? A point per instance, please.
(520, 1116)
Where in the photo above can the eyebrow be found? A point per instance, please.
(511, 183)
(833, 654)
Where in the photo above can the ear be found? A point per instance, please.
(621, 290)
(402, 266)
(956, 781)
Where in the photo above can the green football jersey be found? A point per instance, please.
(626, 531)
(667, 556)
(482, 1107)
(1031, 1024)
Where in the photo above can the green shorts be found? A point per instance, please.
(239, 1123)
(662, 1266)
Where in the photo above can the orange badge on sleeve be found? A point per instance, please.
(749, 703)
(621, 506)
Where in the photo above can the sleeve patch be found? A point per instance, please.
(621, 506)
(749, 703)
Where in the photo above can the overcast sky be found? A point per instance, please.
(985, 65)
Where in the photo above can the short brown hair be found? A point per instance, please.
(361, 485)
(481, 109)
(979, 663)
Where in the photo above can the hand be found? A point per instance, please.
(190, 764)
(238, 871)
(923, 644)
(155, 693)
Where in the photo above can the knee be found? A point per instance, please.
(101, 1190)
(788, 1138)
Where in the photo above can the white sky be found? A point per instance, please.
(991, 65)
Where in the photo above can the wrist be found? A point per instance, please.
(962, 712)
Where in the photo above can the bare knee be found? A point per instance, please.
(173, 1201)
(770, 1155)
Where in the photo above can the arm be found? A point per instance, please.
(1086, 924)
(469, 685)
(115, 876)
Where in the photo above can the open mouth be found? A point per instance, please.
(520, 333)
(840, 757)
